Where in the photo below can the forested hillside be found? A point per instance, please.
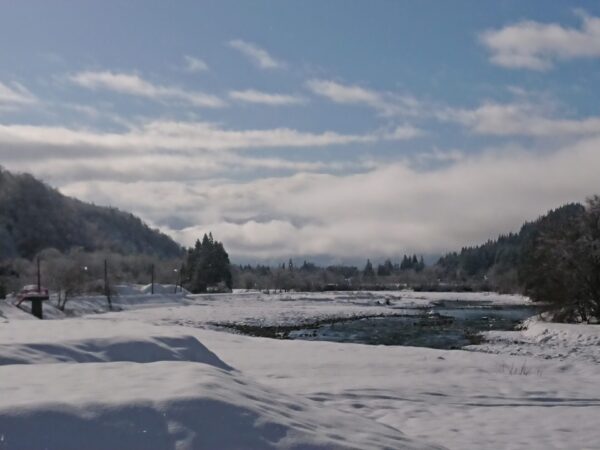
(503, 262)
(34, 216)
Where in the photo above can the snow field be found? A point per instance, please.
(157, 365)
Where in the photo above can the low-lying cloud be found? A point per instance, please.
(384, 211)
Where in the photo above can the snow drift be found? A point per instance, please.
(104, 385)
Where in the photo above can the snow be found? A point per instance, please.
(255, 308)
(546, 340)
(9, 312)
(149, 387)
(137, 289)
(158, 375)
(163, 405)
(455, 398)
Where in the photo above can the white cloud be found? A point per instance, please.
(403, 132)
(520, 119)
(265, 98)
(167, 166)
(257, 55)
(537, 46)
(342, 93)
(387, 104)
(386, 211)
(173, 135)
(132, 84)
(193, 64)
(15, 96)
(436, 157)
(354, 211)
(87, 110)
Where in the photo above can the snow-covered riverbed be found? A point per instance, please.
(158, 375)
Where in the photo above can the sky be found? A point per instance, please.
(331, 131)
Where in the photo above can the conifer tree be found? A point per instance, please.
(207, 264)
(368, 271)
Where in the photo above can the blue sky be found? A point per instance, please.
(335, 130)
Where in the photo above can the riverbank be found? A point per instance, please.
(76, 371)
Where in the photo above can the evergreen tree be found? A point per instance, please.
(506, 257)
(309, 267)
(405, 264)
(368, 271)
(385, 269)
(562, 264)
(207, 264)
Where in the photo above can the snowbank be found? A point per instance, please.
(116, 348)
(8, 312)
(166, 406)
(166, 391)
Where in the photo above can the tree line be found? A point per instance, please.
(554, 259)
(77, 272)
(308, 276)
(561, 264)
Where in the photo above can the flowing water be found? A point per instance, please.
(447, 325)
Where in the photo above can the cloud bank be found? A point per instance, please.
(386, 210)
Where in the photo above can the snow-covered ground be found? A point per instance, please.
(539, 339)
(157, 374)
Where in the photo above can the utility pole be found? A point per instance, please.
(152, 282)
(36, 302)
(178, 281)
(106, 286)
(39, 278)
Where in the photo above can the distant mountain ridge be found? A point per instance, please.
(35, 216)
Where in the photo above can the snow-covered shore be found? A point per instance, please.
(155, 375)
(547, 340)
